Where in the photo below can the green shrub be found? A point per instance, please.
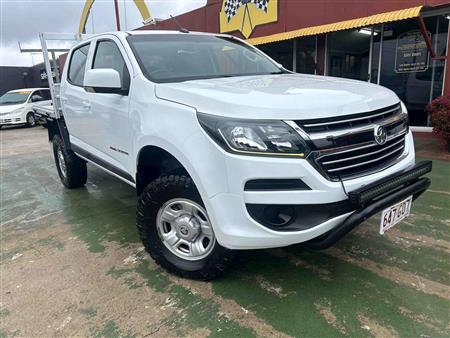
(439, 112)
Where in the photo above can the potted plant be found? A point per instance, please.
(439, 112)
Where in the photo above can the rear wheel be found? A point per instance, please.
(176, 231)
(72, 170)
(31, 120)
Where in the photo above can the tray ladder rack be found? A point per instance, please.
(51, 66)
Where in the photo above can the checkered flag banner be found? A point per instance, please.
(231, 6)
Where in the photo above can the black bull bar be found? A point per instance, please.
(375, 197)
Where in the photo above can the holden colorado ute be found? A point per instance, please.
(228, 150)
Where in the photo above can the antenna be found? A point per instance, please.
(182, 30)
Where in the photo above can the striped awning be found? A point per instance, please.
(376, 19)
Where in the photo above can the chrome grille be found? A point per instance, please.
(345, 147)
(362, 160)
(349, 121)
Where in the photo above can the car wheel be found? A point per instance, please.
(72, 170)
(176, 231)
(31, 120)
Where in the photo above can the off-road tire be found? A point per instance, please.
(76, 170)
(150, 201)
(31, 122)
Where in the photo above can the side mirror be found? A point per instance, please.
(103, 80)
(36, 98)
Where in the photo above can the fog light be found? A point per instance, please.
(278, 216)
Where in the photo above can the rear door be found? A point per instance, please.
(76, 108)
(34, 99)
(110, 110)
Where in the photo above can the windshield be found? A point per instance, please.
(14, 98)
(183, 57)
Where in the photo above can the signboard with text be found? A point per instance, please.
(44, 75)
(411, 53)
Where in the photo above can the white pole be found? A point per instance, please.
(125, 14)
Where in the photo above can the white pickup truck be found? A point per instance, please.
(229, 151)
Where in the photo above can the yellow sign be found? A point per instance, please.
(245, 15)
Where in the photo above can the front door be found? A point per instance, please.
(110, 111)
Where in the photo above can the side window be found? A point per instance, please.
(46, 94)
(108, 55)
(36, 96)
(77, 65)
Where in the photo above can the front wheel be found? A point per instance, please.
(175, 229)
(31, 120)
(72, 170)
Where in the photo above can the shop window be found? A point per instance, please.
(440, 44)
(282, 52)
(306, 54)
(407, 68)
(349, 54)
(375, 60)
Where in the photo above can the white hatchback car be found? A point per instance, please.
(16, 106)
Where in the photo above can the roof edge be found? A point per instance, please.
(371, 20)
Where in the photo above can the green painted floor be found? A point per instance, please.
(72, 265)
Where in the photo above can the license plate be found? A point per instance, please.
(395, 214)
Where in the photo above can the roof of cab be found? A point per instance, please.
(151, 32)
(144, 32)
(25, 90)
(124, 34)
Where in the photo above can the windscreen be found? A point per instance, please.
(184, 57)
(14, 98)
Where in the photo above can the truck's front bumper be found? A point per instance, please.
(378, 196)
(236, 227)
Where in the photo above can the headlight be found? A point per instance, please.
(404, 109)
(405, 113)
(254, 137)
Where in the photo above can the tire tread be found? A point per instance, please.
(220, 258)
(76, 167)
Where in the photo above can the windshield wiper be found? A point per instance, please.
(278, 72)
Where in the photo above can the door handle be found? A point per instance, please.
(86, 105)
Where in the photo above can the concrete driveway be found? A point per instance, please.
(72, 265)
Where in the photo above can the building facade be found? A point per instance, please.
(399, 44)
(22, 77)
